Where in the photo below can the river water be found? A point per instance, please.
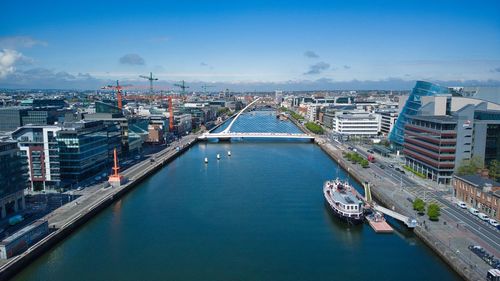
(257, 215)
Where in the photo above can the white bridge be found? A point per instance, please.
(227, 134)
(411, 223)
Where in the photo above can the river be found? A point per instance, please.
(256, 215)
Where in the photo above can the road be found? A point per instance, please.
(460, 216)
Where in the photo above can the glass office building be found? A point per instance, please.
(411, 107)
(86, 149)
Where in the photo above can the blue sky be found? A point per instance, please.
(64, 44)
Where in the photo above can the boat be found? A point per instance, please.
(229, 153)
(218, 156)
(206, 159)
(346, 203)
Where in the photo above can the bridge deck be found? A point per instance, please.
(409, 222)
(255, 135)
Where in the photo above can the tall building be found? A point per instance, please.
(86, 148)
(411, 107)
(387, 121)
(11, 117)
(39, 146)
(449, 130)
(12, 178)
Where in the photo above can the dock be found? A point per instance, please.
(379, 224)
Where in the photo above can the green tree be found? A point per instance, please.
(433, 212)
(494, 170)
(364, 163)
(315, 128)
(419, 205)
(470, 167)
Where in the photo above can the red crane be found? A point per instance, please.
(118, 90)
(170, 114)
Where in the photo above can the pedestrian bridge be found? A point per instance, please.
(411, 223)
(228, 134)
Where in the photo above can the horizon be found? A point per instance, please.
(251, 46)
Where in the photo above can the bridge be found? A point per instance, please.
(411, 223)
(227, 134)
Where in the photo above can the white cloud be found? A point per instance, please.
(8, 59)
(15, 42)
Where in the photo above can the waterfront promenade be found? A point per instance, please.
(68, 217)
(447, 238)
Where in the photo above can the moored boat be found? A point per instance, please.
(346, 203)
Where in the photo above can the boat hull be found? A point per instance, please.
(341, 217)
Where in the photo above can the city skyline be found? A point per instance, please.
(251, 45)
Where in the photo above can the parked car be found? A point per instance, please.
(462, 204)
(494, 222)
(381, 166)
(483, 217)
(473, 211)
(391, 166)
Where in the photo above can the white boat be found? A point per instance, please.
(218, 156)
(206, 159)
(229, 153)
(345, 202)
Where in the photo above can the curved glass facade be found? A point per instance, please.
(412, 106)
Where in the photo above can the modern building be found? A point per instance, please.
(411, 107)
(448, 130)
(111, 119)
(430, 146)
(13, 179)
(11, 117)
(183, 123)
(388, 118)
(356, 123)
(86, 148)
(38, 144)
(16, 116)
(479, 192)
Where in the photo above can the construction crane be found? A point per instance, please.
(170, 114)
(151, 79)
(183, 87)
(118, 90)
(205, 87)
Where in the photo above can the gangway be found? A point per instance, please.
(410, 222)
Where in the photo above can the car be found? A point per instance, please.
(370, 151)
(80, 188)
(350, 148)
(473, 211)
(494, 222)
(483, 217)
(462, 204)
(381, 166)
(391, 166)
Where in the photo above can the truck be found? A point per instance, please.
(371, 158)
(15, 219)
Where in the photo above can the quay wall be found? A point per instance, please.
(458, 265)
(19, 262)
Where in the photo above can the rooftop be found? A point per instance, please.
(477, 180)
(436, 118)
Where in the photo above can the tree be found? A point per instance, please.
(433, 212)
(494, 170)
(315, 128)
(364, 163)
(419, 205)
(470, 167)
